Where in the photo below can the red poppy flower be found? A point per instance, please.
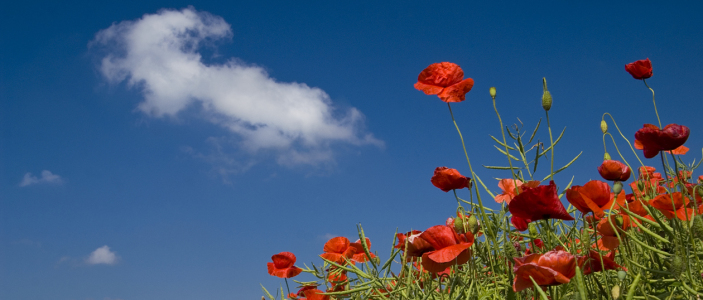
(593, 196)
(614, 170)
(520, 224)
(446, 80)
(673, 209)
(647, 172)
(315, 294)
(538, 203)
(449, 247)
(592, 262)
(447, 179)
(552, 268)
(635, 205)
(416, 246)
(609, 239)
(651, 139)
(283, 265)
(508, 187)
(301, 292)
(641, 69)
(359, 254)
(338, 250)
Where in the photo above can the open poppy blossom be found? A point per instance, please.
(592, 262)
(673, 209)
(552, 268)
(360, 255)
(339, 249)
(521, 224)
(614, 170)
(446, 80)
(448, 179)
(509, 189)
(651, 139)
(283, 265)
(609, 239)
(541, 202)
(449, 248)
(594, 196)
(641, 69)
(301, 292)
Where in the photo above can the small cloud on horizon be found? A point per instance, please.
(46, 177)
(102, 255)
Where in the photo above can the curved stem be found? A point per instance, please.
(510, 163)
(623, 136)
(653, 101)
(551, 141)
(618, 150)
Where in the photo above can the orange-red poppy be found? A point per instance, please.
(338, 249)
(449, 248)
(609, 239)
(552, 268)
(675, 206)
(651, 139)
(593, 196)
(592, 262)
(614, 170)
(359, 254)
(681, 150)
(446, 80)
(283, 265)
(448, 179)
(641, 69)
(508, 186)
(541, 202)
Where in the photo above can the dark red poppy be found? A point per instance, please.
(447, 179)
(446, 80)
(449, 247)
(283, 265)
(592, 262)
(641, 69)
(520, 224)
(593, 196)
(678, 208)
(651, 139)
(614, 170)
(541, 202)
(338, 250)
(552, 268)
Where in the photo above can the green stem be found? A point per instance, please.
(551, 141)
(623, 136)
(505, 143)
(653, 101)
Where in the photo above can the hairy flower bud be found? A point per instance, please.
(617, 188)
(677, 265)
(606, 156)
(492, 90)
(697, 227)
(473, 225)
(532, 229)
(603, 126)
(615, 292)
(546, 96)
(459, 225)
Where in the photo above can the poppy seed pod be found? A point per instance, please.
(606, 156)
(546, 96)
(621, 275)
(603, 126)
(492, 91)
(617, 188)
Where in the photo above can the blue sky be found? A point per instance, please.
(136, 163)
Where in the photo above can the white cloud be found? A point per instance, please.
(46, 177)
(102, 255)
(159, 54)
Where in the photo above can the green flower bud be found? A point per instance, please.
(492, 90)
(473, 225)
(459, 225)
(621, 275)
(618, 221)
(603, 126)
(697, 227)
(532, 229)
(615, 292)
(606, 156)
(677, 265)
(617, 188)
(546, 96)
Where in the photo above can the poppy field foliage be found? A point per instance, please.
(629, 235)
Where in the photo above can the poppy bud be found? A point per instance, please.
(459, 225)
(615, 292)
(621, 275)
(492, 90)
(697, 227)
(585, 236)
(603, 126)
(473, 224)
(618, 221)
(532, 229)
(677, 265)
(606, 156)
(546, 96)
(617, 188)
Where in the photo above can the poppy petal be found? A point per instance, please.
(447, 254)
(336, 245)
(457, 92)
(428, 89)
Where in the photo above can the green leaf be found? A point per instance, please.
(501, 143)
(535, 131)
(505, 153)
(500, 168)
(564, 167)
(555, 142)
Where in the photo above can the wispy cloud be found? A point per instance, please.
(102, 255)
(159, 55)
(46, 177)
